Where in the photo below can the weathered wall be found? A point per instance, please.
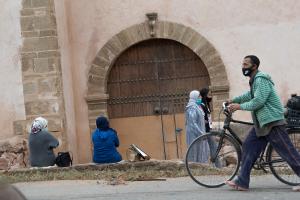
(41, 68)
(11, 88)
(235, 28)
(267, 29)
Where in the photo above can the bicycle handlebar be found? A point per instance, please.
(224, 105)
(229, 115)
(225, 109)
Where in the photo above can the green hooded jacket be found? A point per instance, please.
(265, 104)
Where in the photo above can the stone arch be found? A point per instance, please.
(99, 70)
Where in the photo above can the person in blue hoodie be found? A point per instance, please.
(105, 141)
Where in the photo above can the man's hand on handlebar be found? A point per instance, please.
(233, 107)
(228, 102)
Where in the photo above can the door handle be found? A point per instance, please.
(156, 110)
(165, 110)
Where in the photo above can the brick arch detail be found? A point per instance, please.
(98, 73)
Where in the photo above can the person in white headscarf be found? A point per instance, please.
(41, 144)
(39, 124)
(195, 126)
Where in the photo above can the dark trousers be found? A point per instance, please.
(253, 146)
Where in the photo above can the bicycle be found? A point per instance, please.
(225, 156)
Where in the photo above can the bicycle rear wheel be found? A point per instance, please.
(279, 167)
(222, 163)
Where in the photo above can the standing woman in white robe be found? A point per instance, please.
(195, 126)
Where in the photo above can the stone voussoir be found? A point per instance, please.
(94, 89)
(96, 80)
(125, 40)
(116, 44)
(134, 35)
(187, 35)
(213, 60)
(219, 79)
(143, 31)
(178, 32)
(201, 43)
(159, 31)
(195, 41)
(166, 29)
(205, 50)
(109, 53)
(99, 71)
(99, 62)
(215, 68)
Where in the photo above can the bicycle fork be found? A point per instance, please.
(215, 155)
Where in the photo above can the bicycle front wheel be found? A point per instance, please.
(279, 167)
(213, 167)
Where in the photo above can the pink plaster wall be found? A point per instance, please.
(269, 29)
(11, 86)
(67, 75)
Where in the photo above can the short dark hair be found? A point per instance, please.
(204, 92)
(254, 59)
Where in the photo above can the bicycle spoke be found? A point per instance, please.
(279, 167)
(226, 162)
(220, 155)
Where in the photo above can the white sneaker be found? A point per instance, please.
(296, 188)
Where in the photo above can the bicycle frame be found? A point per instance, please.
(232, 133)
(226, 137)
(261, 162)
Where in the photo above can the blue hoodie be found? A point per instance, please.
(105, 142)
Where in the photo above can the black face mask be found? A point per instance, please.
(247, 71)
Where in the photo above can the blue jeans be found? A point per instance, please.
(253, 146)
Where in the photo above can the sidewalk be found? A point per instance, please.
(123, 170)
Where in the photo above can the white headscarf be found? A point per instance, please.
(194, 95)
(38, 124)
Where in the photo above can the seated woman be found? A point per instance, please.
(41, 144)
(105, 141)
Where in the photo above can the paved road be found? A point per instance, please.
(262, 187)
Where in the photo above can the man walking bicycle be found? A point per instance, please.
(269, 123)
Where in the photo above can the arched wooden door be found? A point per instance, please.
(148, 89)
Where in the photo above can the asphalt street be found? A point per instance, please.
(262, 187)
